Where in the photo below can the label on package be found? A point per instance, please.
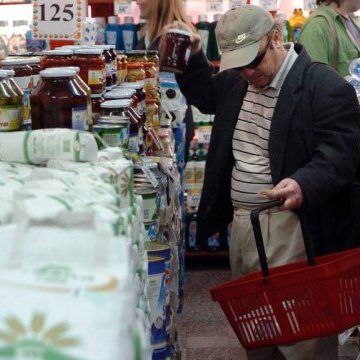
(79, 118)
(9, 118)
(95, 77)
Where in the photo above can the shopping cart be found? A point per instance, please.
(292, 302)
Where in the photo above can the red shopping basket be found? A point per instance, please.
(296, 301)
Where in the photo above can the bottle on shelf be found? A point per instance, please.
(112, 32)
(203, 27)
(17, 41)
(128, 34)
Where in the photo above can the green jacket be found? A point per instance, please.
(316, 36)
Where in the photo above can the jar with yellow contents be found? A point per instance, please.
(10, 105)
(135, 72)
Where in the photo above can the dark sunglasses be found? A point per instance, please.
(257, 60)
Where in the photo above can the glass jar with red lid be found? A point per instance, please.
(92, 68)
(150, 82)
(56, 58)
(59, 101)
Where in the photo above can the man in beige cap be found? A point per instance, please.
(297, 139)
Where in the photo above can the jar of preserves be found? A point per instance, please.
(153, 56)
(135, 72)
(10, 105)
(56, 58)
(92, 68)
(141, 96)
(123, 122)
(176, 51)
(59, 101)
(96, 101)
(150, 82)
(108, 64)
(23, 78)
(121, 67)
(136, 56)
(122, 108)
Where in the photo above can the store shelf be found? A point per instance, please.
(207, 253)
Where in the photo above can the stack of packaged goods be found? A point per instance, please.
(194, 179)
(72, 241)
(117, 98)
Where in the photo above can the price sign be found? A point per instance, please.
(269, 5)
(309, 4)
(193, 200)
(122, 7)
(58, 19)
(214, 5)
(236, 3)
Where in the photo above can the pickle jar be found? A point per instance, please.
(92, 68)
(10, 105)
(141, 96)
(56, 58)
(23, 78)
(150, 82)
(122, 108)
(59, 101)
(135, 72)
(152, 113)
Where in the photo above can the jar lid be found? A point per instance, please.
(33, 60)
(111, 46)
(96, 95)
(57, 52)
(113, 118)
(113, 104)
(152, 52)
(14, 61)
(149, 164)
(135, 65)
(103, 47)
(8, 71)
(75, 68)
(4, 73)
(116, 95)
(68, 47)
(57, 72)
(124, 90)
(133, 85)
(88, 51)
(178, 31)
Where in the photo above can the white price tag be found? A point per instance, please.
(149, 175)
(309, 4)
(58, 19)
(122, 7)
(236, 3)
(193, 200)
(269, 5)
(169, 173)
(204, 136)
(214, 5)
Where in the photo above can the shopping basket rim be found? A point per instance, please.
(288, 275)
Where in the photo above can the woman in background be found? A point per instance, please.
(157, 14)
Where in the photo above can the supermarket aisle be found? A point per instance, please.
(203, 329)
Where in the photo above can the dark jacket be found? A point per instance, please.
(323, 175)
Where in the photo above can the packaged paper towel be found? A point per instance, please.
(39, 146)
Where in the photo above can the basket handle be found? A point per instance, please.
(254, 217)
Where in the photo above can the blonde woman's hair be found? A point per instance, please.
(164, 12)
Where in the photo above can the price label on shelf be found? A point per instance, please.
(236, 3)
(193, 200)
(214, 5)
(309, 4)
(122, 7)
(269, 5)
(58, 19)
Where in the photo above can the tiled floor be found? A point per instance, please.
(204, 332)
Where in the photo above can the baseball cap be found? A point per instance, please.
(238, 33)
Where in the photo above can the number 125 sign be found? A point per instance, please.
(58, 19)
